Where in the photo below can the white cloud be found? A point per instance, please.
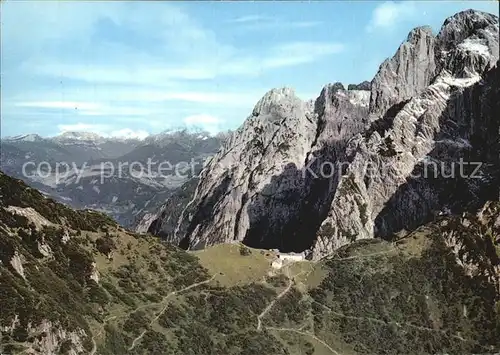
(264, 23)
(291, 54)
(88, 108)
(282, 56)
(250, 18)
(129, 134)
(71, 105)
(83, 127)
(206, 122)
(59, 38)
(129, 101)
(389, 13)
(121, 112)
(142, 72)
(179, 38)
(34, 24)
(201, 119)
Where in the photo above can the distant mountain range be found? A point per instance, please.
(82, 184)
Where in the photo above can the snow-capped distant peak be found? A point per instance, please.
(122, 135)
(128, 134)
(24, 138)
(80, 136)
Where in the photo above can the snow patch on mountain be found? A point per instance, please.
(24, 138)
(475, 45)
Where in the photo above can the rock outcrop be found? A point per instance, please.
(256, 170)
(318, 175)
(406, 74)
(365, 85)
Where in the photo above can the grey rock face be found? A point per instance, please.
(336, 87)
(265, 187)
(468, 43)
(467, 24)
(413, 159)
(318, 175)
(406, 74)
(237, 188)
(365, 85)
(164, 220)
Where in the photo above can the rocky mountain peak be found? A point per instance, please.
(417, 33)
(466, 46)
(335, 87)
(407, 73)
(335, 96)
(468, 43)
(329, 92)
(275, 102)
(32, 137)
(365, 85)
(464, 24)
(78, 136)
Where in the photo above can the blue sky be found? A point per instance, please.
(132, 68)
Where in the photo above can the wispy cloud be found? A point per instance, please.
(260, 22)
(250, 18)
(71, 105)
(122, 74)
(238, 65)
(87, 108)
(388, 14)
(120, 101)
(295, 53)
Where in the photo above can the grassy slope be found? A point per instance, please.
(371, 297)
(232, 266)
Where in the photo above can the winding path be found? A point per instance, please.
(282, 293)
(400, 325)
(94, 347)
(165, 298)
(271, 304)
(134, 342)
(361, 256)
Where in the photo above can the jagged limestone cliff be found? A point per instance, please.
(318, 175)
(414, 151)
